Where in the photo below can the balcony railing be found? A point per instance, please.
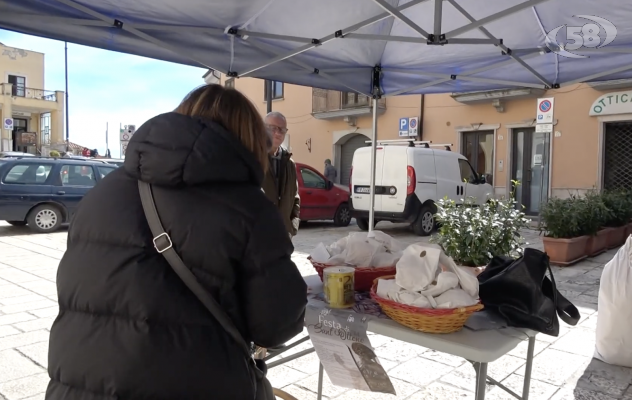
(324, 101)
(29, 93)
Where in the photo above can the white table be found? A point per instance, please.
(478, 347)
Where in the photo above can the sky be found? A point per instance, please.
(107, 88)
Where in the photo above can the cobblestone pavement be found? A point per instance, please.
(563, 368)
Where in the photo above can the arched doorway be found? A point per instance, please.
(354, 142)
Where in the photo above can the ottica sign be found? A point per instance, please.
(612, 103)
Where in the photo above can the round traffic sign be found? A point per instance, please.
(125, 136)
(8, 121)
(413, 123)
(545, 105)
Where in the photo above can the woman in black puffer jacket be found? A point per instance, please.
(128, 328)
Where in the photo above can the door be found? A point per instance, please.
(478, 148)
(617, 160)
(346, 156)
(316, 201)
(19, 125)
(23, 186)
(74, 182)
(530, 166)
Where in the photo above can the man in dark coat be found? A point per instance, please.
(280, 183)
(128, 328)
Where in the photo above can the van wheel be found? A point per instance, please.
(425, 222)
(17, 223)
(45, 219)
(343, 215)
(363, 224)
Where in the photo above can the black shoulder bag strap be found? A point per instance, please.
(164, 246)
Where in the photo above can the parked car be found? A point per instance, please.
(409, 180)
(321, 199)
(14, 154)
(44, 193)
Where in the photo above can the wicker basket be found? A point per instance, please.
(363, 277)
(426, 320)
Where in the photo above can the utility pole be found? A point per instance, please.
(67, 119)
(107, 145)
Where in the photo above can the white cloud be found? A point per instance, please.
(108, 88)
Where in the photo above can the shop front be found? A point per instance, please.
(613, 111)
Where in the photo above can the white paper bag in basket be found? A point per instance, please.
(360, 249)
(614, 321)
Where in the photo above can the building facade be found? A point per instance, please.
(589, 147)
(32, 117)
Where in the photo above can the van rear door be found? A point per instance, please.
(394, 179)
(361, 178)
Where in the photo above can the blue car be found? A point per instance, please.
(44, 193)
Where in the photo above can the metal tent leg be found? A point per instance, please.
(528, 368)
(373, 157)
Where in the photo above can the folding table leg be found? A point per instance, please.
(481, 380)
(320, 383)
(528, 367)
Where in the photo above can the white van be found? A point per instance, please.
(409, 178)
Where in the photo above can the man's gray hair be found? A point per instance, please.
(276, 114)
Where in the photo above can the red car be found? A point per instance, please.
(322, 199)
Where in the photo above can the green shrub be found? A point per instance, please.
(472, 234)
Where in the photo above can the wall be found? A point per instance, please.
(297, 108)
(575, 153)
(25, 63)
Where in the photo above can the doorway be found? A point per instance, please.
(617, 157)
(346, 156)
(19, 125)
(478, 148)
(530, 166)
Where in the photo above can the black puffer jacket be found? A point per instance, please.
(128, 328)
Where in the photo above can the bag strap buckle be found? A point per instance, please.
(162, 242)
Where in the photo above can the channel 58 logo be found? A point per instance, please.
(592, 35)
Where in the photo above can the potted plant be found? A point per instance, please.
(561, 223)
(472, 234)
(593, 214)
(618, 218)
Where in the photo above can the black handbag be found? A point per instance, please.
(520, 291)
(163, 244)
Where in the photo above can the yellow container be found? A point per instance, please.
(338, 284)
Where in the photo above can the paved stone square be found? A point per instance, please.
(563, 368)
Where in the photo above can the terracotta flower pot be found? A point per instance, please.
(616, 236)
(597, 244)
(564, 252)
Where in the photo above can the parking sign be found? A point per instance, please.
(412, 126)
(545, 111)
(403, 127)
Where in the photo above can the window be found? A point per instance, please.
(104, 171)
(230, 83)
(312, 180)
(350, 99)
(277, 90)
(77, 175)
(19, 85)
(467, 173)
(28, 174)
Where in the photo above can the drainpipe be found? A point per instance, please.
(422, 100)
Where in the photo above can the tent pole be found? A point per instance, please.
(67, 118)
(373, 157)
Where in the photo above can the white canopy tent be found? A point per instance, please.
(372, 47)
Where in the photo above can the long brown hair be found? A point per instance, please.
(231, 109)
